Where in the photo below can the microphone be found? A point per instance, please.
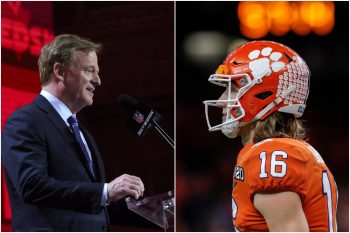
(142, 118)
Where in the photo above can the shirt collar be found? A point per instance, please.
(58, 105)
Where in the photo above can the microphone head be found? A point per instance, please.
(128, 102)
(141, 116)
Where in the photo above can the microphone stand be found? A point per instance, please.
(165, 136)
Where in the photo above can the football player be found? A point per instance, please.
(280, 182)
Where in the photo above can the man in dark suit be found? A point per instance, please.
(54, 172)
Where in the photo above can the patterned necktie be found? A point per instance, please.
(72, 120)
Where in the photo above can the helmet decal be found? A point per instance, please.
(297, 74)
(262, 66)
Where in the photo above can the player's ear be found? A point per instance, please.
(58, 71)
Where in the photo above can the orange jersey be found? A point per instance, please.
(282, 164)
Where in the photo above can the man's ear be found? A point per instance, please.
(58, 71)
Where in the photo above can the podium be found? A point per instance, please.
(157, 209)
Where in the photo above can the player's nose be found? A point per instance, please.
(222, 98)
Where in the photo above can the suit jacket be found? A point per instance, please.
(49, 182)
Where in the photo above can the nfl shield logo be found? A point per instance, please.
(138, 117)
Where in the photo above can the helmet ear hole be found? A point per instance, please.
(264, 95)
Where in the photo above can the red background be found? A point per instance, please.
(24, 29)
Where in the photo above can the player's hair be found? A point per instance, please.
(61, 50)
(279, 125)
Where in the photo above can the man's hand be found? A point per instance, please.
(125, 185)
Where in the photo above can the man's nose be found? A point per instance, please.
(96, 80)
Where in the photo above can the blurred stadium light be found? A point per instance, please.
(210, 47)
(206, 47)
(257, 19)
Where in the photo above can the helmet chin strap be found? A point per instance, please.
(231, 130)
